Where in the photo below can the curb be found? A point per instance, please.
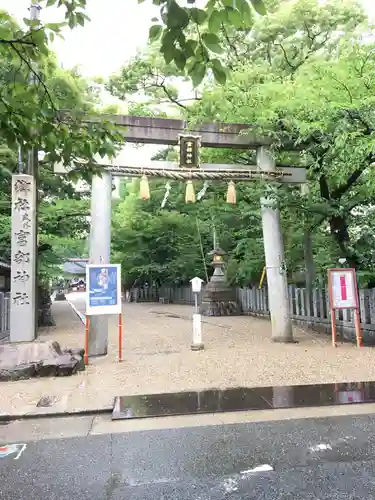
(6, 418)
(81, 316)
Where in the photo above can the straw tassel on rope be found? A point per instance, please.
(231, 193)
(190, 193)
(144, 188)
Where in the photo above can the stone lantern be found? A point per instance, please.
(219, 299)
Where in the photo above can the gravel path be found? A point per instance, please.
(157, 358)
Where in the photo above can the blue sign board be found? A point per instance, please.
(103, 294)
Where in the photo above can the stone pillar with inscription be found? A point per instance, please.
(23, 265)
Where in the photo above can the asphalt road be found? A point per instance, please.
(329, 458)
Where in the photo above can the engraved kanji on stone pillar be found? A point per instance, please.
(22, 316)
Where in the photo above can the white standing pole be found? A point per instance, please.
(197, 344)
(275, 264)
(100, 249)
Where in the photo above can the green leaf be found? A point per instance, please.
(177, 17)
(80, 19)
(212, 42)
(169, 38)
(190, 48)
(155, 32)
(179, 59)
(259, 7)
(54, 26)
(198, 15)
(72, 21)
(168, 43)
(50, 3)
(197, 73)
(234, 17)
(218, 71)
(168, 53)
(215, 20)
(247, 18)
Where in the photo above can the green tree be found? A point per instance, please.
(189, 35)
(304, 75)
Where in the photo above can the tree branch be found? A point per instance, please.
(324, 189)
(338, 192)
(345, 87)
(34, 73)
(293, 68)
(231, 45)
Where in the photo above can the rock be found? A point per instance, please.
(67, 365)
(21, 372)
(77, 354)
(44, 359)
(47, 401)
(48, 368)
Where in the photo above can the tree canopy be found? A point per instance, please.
(305, 72)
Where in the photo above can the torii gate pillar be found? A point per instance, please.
(100, 252)
(277, 284)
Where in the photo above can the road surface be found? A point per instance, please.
(329, 458)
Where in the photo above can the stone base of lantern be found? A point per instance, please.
(219, 301)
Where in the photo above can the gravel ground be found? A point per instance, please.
(157, 358)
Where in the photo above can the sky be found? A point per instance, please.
(116, 30)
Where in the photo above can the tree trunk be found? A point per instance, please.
(340, 233)
(310, 273)
(44, 306)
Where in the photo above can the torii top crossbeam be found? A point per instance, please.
(148, 130)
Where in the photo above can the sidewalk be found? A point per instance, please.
(157, 358)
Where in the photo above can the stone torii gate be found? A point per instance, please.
(163, 131)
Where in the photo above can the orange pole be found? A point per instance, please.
(334, 330)
(358, 332)
(87, 325)
(120, 337)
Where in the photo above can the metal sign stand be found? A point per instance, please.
(103, 298)
(343, 294)
(120, 337)
(87, 327)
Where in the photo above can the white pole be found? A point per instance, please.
(274, 252)
(196, 302)
(197, 344)
(100, 247)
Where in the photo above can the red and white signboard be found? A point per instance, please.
(343, 289)
(343, 294)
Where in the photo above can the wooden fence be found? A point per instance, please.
(4, 315)
(314, 314)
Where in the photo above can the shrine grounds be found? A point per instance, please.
(157, 358)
